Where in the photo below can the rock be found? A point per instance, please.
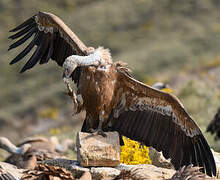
(86, 176)
(159, 160)
(147, 171)
(191, 173)
(100, 173)
(95, 150)
(78, 171)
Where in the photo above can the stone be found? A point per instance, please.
(96, 150)
(157, 159)
(78, 171)
(147, 171)
(86, 176)
(100, 173)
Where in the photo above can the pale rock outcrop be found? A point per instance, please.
(95, 150)
(157, 159)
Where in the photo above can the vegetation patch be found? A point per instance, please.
(133, 153)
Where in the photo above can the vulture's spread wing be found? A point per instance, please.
(54, 40)
(158, 119)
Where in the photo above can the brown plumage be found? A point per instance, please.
(214, 125)
(46, 172)
(112, 98)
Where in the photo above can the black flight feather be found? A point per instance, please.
(22, 32)
(36, 56)
(27, 22)
(23, 39)
(25, 51)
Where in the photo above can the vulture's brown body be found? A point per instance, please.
(112, 98)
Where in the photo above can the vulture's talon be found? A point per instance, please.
(99, 132)
(91, 130)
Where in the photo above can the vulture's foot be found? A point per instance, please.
(98, 132)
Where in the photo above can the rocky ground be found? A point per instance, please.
(97, 160)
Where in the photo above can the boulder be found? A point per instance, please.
(157, 159)
(95, 150)
(146, 171)
(100, 173)
(142, 171)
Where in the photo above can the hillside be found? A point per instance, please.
(175, 41)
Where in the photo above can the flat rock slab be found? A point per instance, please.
(157, 159)
(138, 172)
(106, 173)
(95, 150)
(147, 171)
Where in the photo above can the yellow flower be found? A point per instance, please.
(52, 113)
(55, 131)
(132, 153)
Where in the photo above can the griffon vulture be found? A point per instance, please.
(112, 98)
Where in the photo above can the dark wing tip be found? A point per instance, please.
(23, 70)
(23, 39)
(24, 24)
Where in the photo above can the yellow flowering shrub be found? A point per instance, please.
(55, 131)
(60, 130)
(52, 113)
(132, 153)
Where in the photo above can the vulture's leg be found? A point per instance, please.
(99, 130)
(102, 118)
